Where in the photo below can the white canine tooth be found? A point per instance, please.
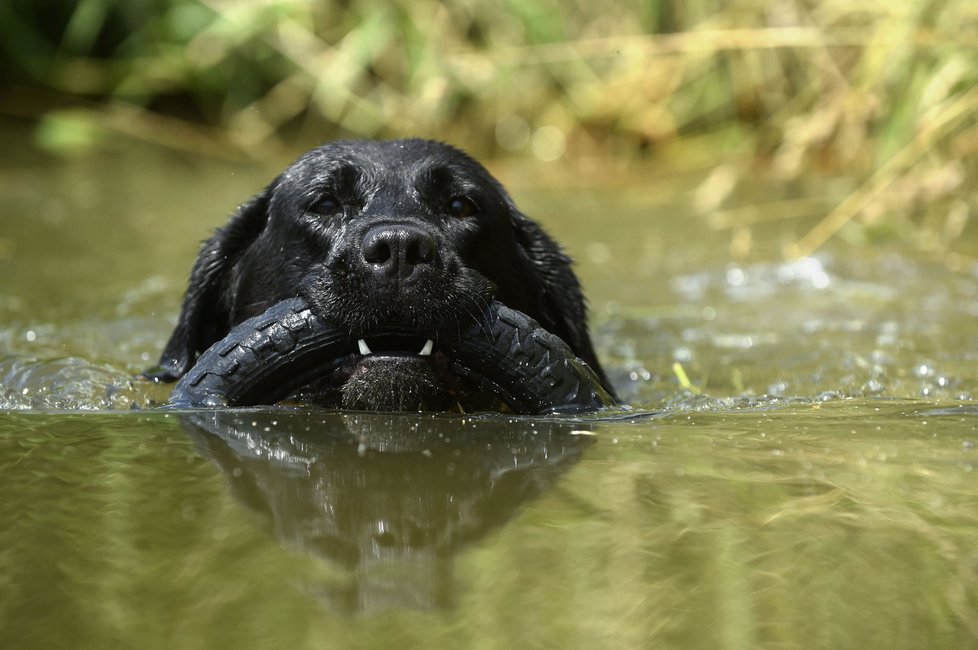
(364, 349)
(428, 346)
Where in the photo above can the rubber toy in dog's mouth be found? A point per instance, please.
(504, 354)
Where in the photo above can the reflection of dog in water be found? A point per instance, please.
(390, 498)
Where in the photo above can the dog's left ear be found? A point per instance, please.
(204, 317)
(563, 308)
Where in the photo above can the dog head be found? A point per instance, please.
(396, 243)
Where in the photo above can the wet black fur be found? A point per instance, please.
(277, 246)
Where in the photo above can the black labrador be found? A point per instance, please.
(407, 236)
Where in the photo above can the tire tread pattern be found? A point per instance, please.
(531, 368)
(260, 361)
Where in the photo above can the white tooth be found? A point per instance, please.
(428, 346)
(364, 349)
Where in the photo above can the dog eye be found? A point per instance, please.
(461, 207)
(326, 206)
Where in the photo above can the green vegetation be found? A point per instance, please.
(883, 94)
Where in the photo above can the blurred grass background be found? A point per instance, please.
(881, 94)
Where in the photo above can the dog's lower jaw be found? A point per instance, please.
(393, 383)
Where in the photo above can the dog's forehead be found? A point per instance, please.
(383, 162)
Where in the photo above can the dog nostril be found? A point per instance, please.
(420, 250)
(396, 251)
(377, 251)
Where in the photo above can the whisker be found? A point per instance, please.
(477, 312)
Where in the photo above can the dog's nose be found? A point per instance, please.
(396, 251)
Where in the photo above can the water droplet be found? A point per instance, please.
(873, 386)
(213, 401)
(923, 370)
(682, 354)
(736, 276)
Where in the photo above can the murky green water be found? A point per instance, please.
(815, 486)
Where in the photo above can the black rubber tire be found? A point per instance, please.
(262, 360)
(533, 371)
(266, 358)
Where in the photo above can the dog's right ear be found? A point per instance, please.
(205, 316)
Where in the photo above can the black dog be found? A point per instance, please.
(409, 237)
